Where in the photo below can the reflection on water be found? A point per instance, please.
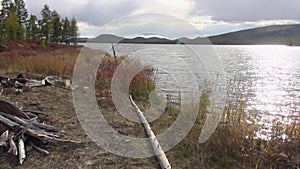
(267, 77)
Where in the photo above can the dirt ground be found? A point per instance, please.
(58, 104)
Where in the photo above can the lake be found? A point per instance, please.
(265, 77)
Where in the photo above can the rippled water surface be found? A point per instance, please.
(266, 78)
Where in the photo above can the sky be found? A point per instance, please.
(171, 18)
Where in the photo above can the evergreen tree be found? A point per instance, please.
(46, 25)
(66, 31)
(74, 31)
(13, 30)
(5, 9)
(57, 27)
(40, 25)
(32, 28)
(21, 11)
(13, 21)
(4, 14)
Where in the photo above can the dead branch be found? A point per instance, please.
(12, 146)
(21, 148)
(38, 148)
(4, 138)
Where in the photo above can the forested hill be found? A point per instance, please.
(276, 34)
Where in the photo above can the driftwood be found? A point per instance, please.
(4, 138)
(20, 129)
(21, 148)
(12, 146)
(159, 152)
(10, 108)
(38, 148)
(50, 81)
(21, 84)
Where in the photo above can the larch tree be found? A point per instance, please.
(13, 30)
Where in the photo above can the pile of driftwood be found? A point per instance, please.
(18, 128)
(21, 127)
(20, 83)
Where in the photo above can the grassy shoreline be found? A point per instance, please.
(233, 145)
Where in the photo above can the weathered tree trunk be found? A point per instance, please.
(159, 152)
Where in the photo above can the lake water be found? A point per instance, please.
(265, 77)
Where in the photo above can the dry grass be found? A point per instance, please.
(59, 62)
(32, 58)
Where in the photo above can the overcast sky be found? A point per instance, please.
(210, 17)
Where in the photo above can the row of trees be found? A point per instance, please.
(16, 25)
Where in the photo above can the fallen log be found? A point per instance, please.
(50, 81)
(10, 108)
(16, 119)
(28, 129)
(30, 123)
(159, 152)
(8, 123)
(45, 127)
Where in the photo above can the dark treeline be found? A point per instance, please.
(17, 24)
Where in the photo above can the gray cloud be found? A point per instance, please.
(97, 13)
(248, 10)
(91, 11)
(102, 11)
(151, 24)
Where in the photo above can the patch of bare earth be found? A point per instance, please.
(58, 104)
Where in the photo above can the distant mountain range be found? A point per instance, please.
(107, 38)
(276, 34)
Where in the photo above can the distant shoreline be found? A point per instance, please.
(82, 43)
(288, 35)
